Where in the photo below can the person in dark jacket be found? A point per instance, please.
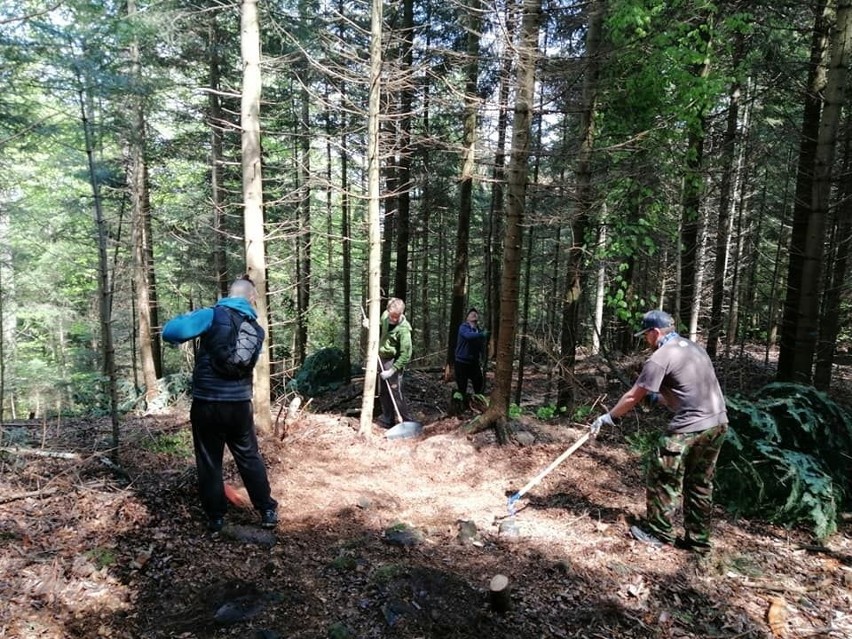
(221, 413)
(470, 346)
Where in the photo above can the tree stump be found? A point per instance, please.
(498, 593)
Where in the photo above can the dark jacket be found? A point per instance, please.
(470, 344)
(214, 329)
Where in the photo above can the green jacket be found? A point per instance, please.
(395, 342)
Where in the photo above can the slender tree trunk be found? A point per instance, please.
(140, 228)
(216, 120)
(834, 100)
(803, 203)
(303, 241)
(373, 223)
(468, 165)
(836, 273)
(5, 259)
(498, 178)
(403, 206)
(807, 327)
(570, 330)
(693, 181)
(253, 215)
(729, 144)
(104, 288)
(527, 52)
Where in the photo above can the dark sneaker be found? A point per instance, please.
(645, 537)
(214, 525)
(269, 518)
(384, 423)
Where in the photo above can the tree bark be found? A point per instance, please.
(570, 330)
(498, 409)
(468, 164)
(842, 227)
(810, 288)
(403, 199)
(373, 222)
(726, 188)
(253, 215)
(803, 203)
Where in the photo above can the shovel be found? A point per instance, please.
(532, 482)
(403, 429)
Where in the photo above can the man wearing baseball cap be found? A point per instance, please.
(681, 374)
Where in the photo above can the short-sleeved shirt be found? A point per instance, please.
(681, 371)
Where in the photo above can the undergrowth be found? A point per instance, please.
(787, 458)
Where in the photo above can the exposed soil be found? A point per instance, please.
(372, 540)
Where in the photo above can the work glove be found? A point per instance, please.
(388, 373)
(653, 398)
(605, 419)
(365, 323)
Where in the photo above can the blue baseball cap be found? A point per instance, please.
(655, 319)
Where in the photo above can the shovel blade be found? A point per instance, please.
(405, 430)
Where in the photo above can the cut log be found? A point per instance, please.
(498, 593)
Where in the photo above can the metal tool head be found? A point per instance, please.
(510, 505)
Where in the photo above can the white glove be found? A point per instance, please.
(605, 419)
(365, 323)
(388, 373)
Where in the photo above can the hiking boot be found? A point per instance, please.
(269, 518)
(384, 423)
(214, 525)
(645, 537)
(685, 543)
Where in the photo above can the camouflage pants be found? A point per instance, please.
(684, 463)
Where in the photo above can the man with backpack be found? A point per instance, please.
(221, 414)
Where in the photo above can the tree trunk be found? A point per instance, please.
(373, 223)
(403, 200)
(807, 326)
(570, 331)
(253, 215)
(468, 166)
(104, 288)
(836, 276)
(726, 188)
(303, 238)
(787, 359)
(498, 409)
(140, 228)
(494, 245)
(216, 119)
(689, 292)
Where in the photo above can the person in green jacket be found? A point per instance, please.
(395, 355)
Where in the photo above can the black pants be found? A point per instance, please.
(392, 385)
(214, 426)
(469, 371)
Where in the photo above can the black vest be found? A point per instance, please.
(206, 383)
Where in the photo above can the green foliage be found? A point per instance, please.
(788, 457)
(515, 411)
(178, 444)
(322, 371)
(550, 411)
(644, 443)
(581, 413)
(102, 557)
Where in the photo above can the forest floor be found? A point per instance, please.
(389, 539)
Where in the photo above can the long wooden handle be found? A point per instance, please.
(550, 468)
